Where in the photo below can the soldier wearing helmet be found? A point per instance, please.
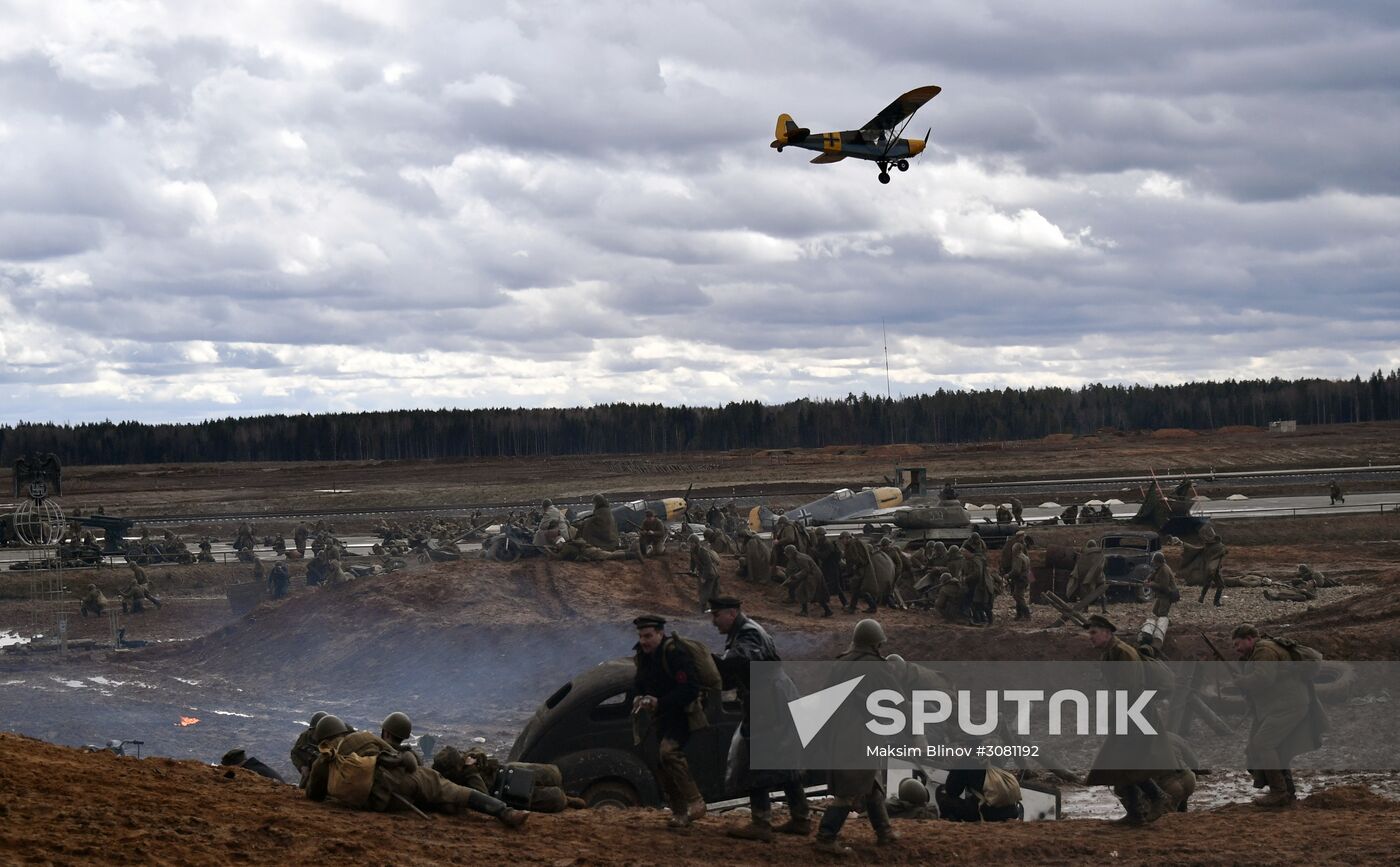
(392, 779)
(1163, 583)
(862, 787)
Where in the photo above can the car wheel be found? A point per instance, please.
(612, 795)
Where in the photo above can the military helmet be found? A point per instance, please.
(397, 725)
(911, 791)
(894, 657)
(317, 717)
(330, 726)
(1159, 557)
(868, 633)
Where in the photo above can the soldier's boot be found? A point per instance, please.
(1156, 803)
(988, 616)
(484, 803)
(803, 610)
(1023, 611)
(832, 820)
(1278, 795)
(760, 828)
(880, 821)
(1204, 589)
(1288, 779)
(1132, 806)
(830, 827)
(826, 610)
(1219, 591)
(800, 825)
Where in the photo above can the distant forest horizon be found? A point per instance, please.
(619, 428)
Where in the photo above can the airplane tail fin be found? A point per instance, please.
(788, 132)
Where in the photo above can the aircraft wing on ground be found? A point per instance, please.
(901, 108)
(839, 506)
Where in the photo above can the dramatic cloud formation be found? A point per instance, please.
(212, 209)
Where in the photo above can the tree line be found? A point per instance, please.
(939, 417)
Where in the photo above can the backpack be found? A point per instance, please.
(705, 667)
(1309, 659)
(705, 670)
(1000, 788)
(351, 775)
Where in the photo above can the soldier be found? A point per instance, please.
(1004, 513)
(259, 572)
(1070, 515)
(304, 748)
(746, 642)
(1087, 583)
(1019, 578)
(393, 781)
(950, 490)
(805, 577)
(1202, 563)
(982, 586)
(719, 542)
(299, 536)
(785, 533)
(828, 557)
(651, 536)
(93, 602)
(279, 580)
(396, 729)
(138, 592)
(903, 568)
(1016, 509)
(1309, 575)
(1334, 492)
(976, 544)
(714, 517)
(757, 557)
(1143, 799)
(1287, 717)
(950, 598)
(1162, 582)
(240, 759)
(705, 566)
(863, 786)
(600, 528)
(912, 801)
(864, 582)
(667, 685)
(206, 551)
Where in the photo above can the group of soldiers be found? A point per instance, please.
(672, 677)
(386, 773)
(668, 690)
(133, 598)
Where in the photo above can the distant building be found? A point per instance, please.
(1289, 426)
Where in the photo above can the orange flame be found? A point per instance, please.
(187, 721)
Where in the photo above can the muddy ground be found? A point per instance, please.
(218, 488)
(58, 805)
(471, 648)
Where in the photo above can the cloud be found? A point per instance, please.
(214, 208)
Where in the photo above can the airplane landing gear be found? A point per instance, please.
(902, 165)
(884, 171)
(884, 177)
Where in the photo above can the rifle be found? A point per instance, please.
(1235, 672)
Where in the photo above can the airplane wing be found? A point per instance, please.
(902, 107)
(828, 158)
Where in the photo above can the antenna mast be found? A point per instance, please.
(885, 339)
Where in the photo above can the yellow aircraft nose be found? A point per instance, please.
(888, 498)
(675, 508)
(916, 147)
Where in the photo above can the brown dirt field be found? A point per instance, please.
(225, 487)
(62, 806)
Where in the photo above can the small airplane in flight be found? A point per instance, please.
(877, 141)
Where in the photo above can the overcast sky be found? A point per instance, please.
(372, 205)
